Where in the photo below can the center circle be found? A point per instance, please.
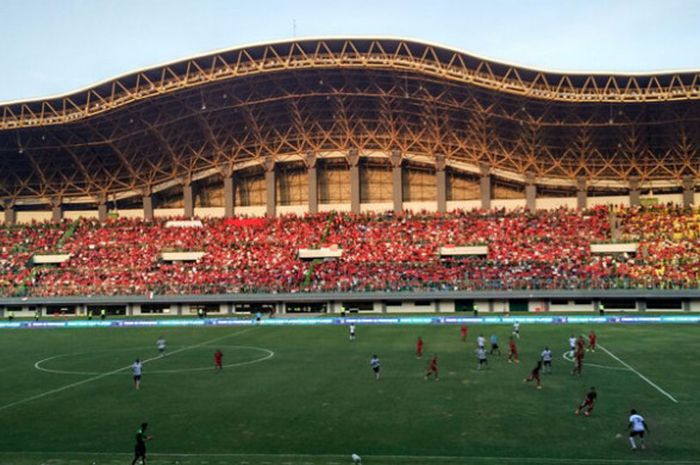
(265, 354)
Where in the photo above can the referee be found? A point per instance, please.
(140, 447)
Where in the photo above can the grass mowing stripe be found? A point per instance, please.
(110, 373)
(651, 383)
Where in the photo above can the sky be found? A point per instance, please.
(50, 47)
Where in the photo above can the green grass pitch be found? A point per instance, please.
(307, 396)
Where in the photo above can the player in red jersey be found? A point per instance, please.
(419, 347)
(588, 402)
(432, 368)
(218, 359)
(513, 351)
(592, 338)
(535, 375)
(463, 331)
(580, 344)
(578, 362)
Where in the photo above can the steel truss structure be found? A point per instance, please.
(262, 104)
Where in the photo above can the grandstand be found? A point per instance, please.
(394, 154)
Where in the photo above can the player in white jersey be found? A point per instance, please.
(480, 341)
(547, 360)
(481, 358)
(637, 427)
(516, 329)
(352, 331)
(160, 344)
(136, 369)
(376, 365)
(356, 459)
(572, 345)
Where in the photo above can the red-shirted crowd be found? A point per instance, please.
(550, 249)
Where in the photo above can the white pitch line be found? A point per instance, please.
(110, 373)
(651, 383)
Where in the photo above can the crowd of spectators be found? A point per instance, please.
(546, 250)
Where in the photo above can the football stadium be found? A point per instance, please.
(352, 250)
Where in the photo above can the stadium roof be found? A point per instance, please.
(213, 112)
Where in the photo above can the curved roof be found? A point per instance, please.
(386, 53)
(224, 110)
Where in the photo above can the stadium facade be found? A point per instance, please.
(349, 124)
(356, 125)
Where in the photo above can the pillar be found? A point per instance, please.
(188, 197)
(312, 175)
(229, 200)
(634, 191)
(10, 212)
(441, 179)
(354, 162)
(102, 209)
(396, 180)
(581, 193)
(270, 186)
(688, 190)
(530, 192)
(56, 211)
(641, 305)
(485, 185)
(147, 207)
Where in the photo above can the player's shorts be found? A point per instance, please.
(352, 333)
(547, 363)
(483, 360)
(588, 403)
(375, 369)
(137, 377)
(140, 451)
(494, 346)
(637, 433)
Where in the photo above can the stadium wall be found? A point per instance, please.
(543, 203)
(486, 302)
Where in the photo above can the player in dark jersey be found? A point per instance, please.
(432, 368)
(588, 403)
(140, 447)
(419, 347)
(592, 341)
(535, 375)
(578, 361)
(218, 361)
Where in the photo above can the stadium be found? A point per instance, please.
(261, 199)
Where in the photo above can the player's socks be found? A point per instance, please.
(634, 446)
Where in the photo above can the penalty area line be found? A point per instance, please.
(113, 372)
(650, 382)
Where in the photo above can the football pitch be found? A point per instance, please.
(306, 395)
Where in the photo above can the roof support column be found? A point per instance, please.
(147, 205)
(10, 212)
(581, 193)
(441, 179)
(312, 175)
(485, 185)
(397, 180)
(229, 199)
(530, 192)
(270, 202)
(354, 162)
(102, 209)
(634, 191)
(688, 190)
(56, 211)
(188, 196)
